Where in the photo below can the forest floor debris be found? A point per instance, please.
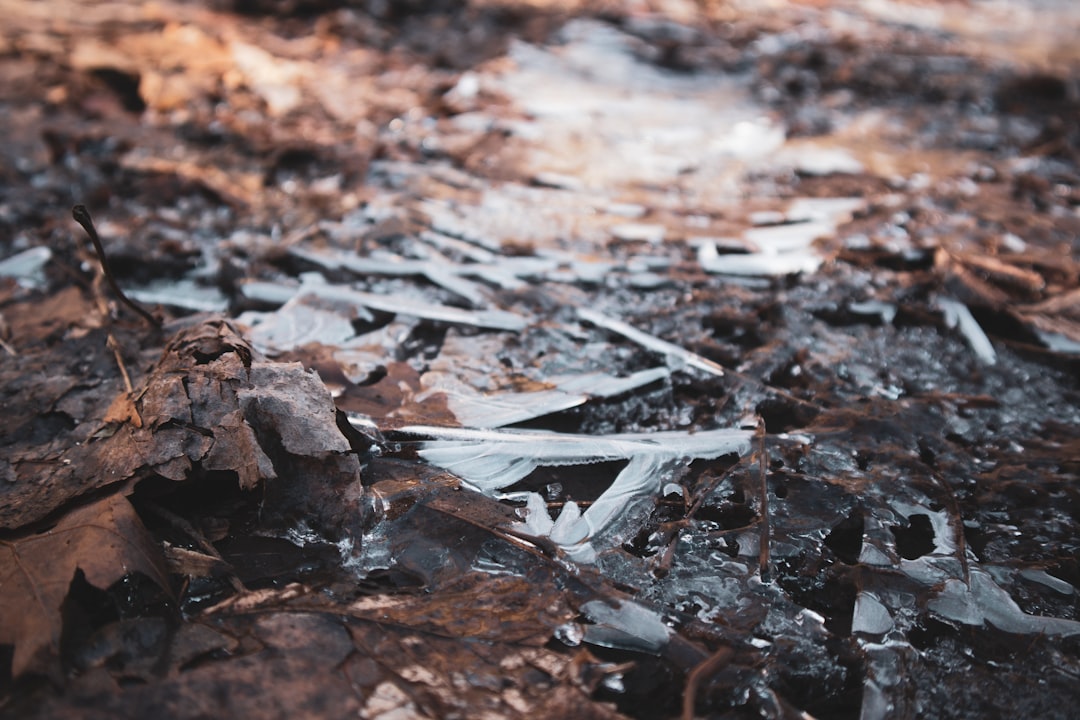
(567, 253)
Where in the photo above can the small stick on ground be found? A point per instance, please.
(111, 343)
(718, 660)
(82, 216)
(763, 459)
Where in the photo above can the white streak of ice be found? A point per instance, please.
(958, 315)
(985, 600)
(650, 342)
(26, 266)
(493, 459)
(762, 263)
(629, 626)
(870, 616)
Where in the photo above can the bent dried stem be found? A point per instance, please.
(82, 216)
(763, 551)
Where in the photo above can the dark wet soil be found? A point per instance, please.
(856, 225)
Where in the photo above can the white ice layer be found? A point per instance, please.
(629, 626)
(983, 600)
(494, 459)
(957, 315)
(397, 304)
(491, 410)
(675, 355)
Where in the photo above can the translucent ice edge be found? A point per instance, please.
(490, 410)
(399, 305)
(958, 316)
(986, 601)
(494, 459)
(674, 354)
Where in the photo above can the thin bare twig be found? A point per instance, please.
(763, 552)
(111, 343)
(716, 661)
(82, 216)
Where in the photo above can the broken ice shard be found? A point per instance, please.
(957, 315)
(986, 601)
(490, 410)
(494, 459)
(629, 626)
(674, 354)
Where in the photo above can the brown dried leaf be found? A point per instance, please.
(106, 540)
(479, 606)
(123, 410)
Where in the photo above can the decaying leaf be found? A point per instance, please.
(214, 403)
(105, 540)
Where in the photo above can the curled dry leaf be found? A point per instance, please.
(106, 540)
(213, 403)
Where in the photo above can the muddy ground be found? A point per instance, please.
(540, 359)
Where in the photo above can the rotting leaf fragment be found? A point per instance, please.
(105, 540)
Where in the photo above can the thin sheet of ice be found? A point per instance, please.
(783, 249)
(676, 356)
(870, 616)
(944, 533)
(295, 324)
(183, 293)
(492, 319)
(836, 210)
(1058, 342)
(1044, 578)
(272, 293)
(439, 271)
(398, 305)
(985, 601)
(26, 266)
(761, 263)
(492, 410)
(630, 626)
(776, 239)
(957, 315)
(494, 459)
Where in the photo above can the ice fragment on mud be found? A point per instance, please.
(294, 324)
(672, 352)
(439, 271)
(779, 239)
(494, 459)
(26, 266)
(870, 616)
(761, 263)
(491, 410)
(183, 293)
(362, 301)
(958, 315)
(491, 460)
(638, 232)
(1044, 578)
(629, 626)
(985, 601)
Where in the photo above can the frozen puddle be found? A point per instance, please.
(606, 118)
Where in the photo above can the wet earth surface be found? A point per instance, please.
(540, 359)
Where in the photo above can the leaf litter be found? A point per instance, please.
(575, 315)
